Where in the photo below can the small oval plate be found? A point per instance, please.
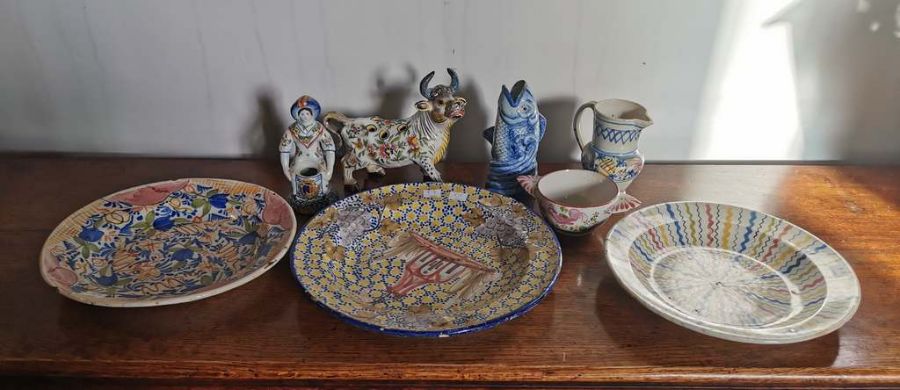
(427, 259)
(732, 273)
(168, 242)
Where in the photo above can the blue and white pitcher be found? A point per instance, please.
(613, 147)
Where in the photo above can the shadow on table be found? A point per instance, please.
(657, 341)
(232, 314)
(326, 334)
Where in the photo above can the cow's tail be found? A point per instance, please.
(334, 122)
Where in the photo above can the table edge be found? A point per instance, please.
(475, 373)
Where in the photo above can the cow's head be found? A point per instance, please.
(441, 102)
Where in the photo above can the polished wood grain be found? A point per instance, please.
(587, 331)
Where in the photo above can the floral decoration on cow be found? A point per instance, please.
(375, 143)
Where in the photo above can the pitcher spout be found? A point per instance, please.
(623, 111)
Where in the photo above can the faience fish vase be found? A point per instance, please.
(514, 140)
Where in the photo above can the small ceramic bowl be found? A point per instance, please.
(574, 201)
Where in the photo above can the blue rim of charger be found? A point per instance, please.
(441, 333)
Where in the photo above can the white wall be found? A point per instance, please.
(747, 79)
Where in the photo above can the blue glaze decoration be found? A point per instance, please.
(514, 139)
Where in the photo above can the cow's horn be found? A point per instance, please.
(454, 80)
(423, 85)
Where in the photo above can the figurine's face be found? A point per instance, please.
(446, 106)
(305, 117)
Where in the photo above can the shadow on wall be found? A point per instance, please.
(265, 130)
(393, 98)
(466, 142)
(848, 86)
(559, 144)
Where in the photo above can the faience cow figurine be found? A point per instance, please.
(375, 143)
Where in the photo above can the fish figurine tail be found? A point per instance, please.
(529, 182)
(489, 134)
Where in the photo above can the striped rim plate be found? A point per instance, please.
(732, 273)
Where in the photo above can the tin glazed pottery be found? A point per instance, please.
(612, 151)
(514, 139)
(427, 259)
(307, 157)
(375, 143)
(732, 273)
(574, 200)
(167, 242)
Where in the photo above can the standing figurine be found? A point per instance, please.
(307, 157)
(374, 143)
(514, 139)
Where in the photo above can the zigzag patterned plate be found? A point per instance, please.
(732, 273)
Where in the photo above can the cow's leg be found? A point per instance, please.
(429, 169)
(348, 170)
(373, 168)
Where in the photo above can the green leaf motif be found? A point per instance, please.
(85, 252)
(197, 202)
(206, 279)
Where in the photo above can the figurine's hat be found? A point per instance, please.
(306, 102)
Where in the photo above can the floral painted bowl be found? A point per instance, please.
(732, 273)
(167, 242)
(575, 201)
(427, 259)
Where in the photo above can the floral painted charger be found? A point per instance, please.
(427, 259)
(167, 242)
(732, 273)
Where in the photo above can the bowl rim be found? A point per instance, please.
(733, 333)
(150, 302)
(515, 313)
(607, 182)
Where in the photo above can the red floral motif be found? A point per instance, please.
(150, 195)
(562, 219)
(387, 150)
(413, 142)
(276, 212)
(62, 276)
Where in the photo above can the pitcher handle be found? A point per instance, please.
(577, 121)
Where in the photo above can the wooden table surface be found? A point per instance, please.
(587, 331)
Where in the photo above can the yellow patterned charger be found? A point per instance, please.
(427, 259)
